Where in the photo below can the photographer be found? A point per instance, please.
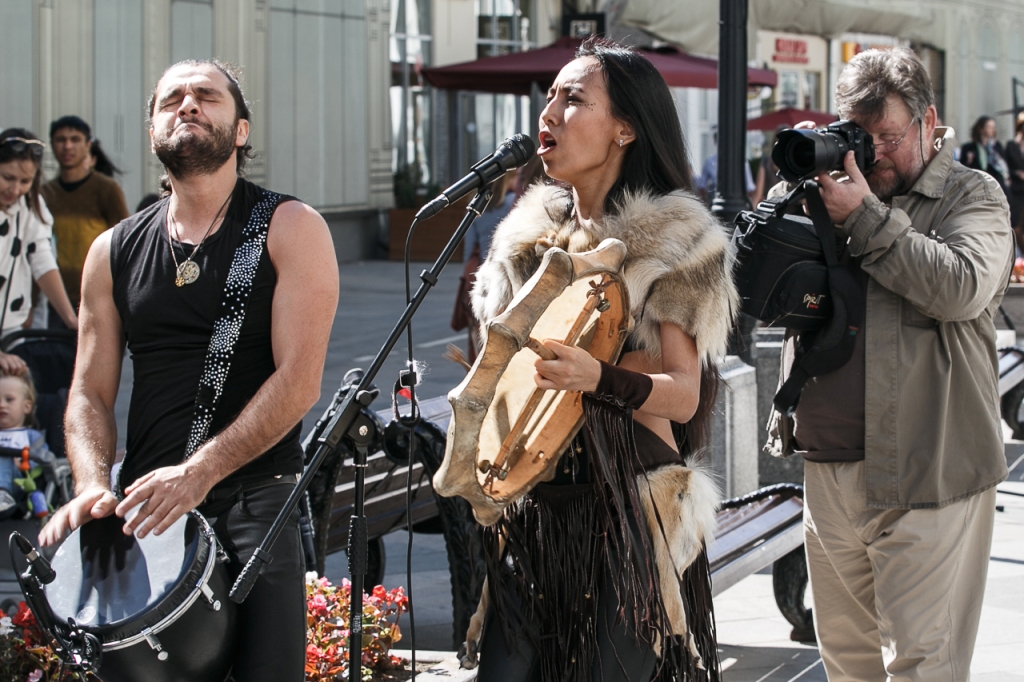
(902, 445)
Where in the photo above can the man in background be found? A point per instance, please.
(707, 182)
(84, 203)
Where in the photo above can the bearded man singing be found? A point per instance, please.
(156, 282)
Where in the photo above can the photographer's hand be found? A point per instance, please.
(842, 198)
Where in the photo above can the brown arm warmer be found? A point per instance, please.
(622, 386)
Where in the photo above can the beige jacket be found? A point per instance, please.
(939, 261)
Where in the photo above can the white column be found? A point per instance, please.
(71, 68)
(378, 26)
(156, 51)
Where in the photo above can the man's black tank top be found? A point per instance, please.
(167, 330)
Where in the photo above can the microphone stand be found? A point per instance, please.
(348, 422)
(79, 650)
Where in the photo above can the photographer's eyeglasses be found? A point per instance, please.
(20, 144)
(891, 146)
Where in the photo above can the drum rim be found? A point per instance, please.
(186, 604)
(106, 633)
(169, 620)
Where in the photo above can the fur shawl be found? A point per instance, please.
(678, 265)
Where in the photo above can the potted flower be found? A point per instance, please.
(25, 653)
(410, 194)
(327, 631)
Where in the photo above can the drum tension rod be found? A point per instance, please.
(208, 595)
(155, 645)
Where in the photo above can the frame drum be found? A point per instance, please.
(158, 605)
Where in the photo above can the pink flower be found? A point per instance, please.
(35, 675)
(318, 605)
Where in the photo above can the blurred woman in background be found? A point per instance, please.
(1015, 164)
(26, 251)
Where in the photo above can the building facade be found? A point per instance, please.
(315, 72)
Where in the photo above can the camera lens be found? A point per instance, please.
(802, 154)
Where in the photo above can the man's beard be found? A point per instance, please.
(892, 186)
(190, 154)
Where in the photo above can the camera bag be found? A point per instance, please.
(789, 276)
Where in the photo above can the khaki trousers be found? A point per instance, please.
(897, 593)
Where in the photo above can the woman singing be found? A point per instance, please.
(601, 574)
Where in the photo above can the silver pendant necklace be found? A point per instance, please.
(187, 271)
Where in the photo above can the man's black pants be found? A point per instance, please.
(271, 634)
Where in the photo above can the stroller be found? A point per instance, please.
(50, 356)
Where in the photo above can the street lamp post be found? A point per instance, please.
(731, 192)
(730, 195)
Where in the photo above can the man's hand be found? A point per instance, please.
(12, 364)
(163, 496)
(842, 198)
(91, 503)
(573, 370)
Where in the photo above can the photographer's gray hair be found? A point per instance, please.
(873, 75)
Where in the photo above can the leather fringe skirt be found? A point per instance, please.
(566, 559)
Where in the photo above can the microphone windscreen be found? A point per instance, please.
(523, 148)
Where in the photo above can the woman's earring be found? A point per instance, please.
(620, 143)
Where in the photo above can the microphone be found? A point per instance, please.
(513, 153)
(44, 572)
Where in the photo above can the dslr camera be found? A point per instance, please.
(803, 154)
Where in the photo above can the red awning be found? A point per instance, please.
(788, 117)
(513, 73)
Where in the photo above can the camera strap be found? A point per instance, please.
(825, 350)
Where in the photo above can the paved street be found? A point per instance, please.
(754, 637)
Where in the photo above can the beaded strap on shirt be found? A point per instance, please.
(229, 325)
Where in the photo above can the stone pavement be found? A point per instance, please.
(754, 637)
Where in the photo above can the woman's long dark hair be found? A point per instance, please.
(103, 163)
(979, 126)
(656, 162)
(7, 153)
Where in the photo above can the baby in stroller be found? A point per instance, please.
(18, 472)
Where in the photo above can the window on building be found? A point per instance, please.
(812, 91)
(503, 27)
(411, 110)
(789, 89)
(1017, 63)
(316, 102)
(117, 119)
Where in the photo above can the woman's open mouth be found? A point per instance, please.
(547, 142)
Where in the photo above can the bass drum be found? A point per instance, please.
(159, 605)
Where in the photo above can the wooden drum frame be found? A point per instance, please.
(506, 435)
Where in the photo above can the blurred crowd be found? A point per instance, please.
(1005, 163)
(46, 229)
